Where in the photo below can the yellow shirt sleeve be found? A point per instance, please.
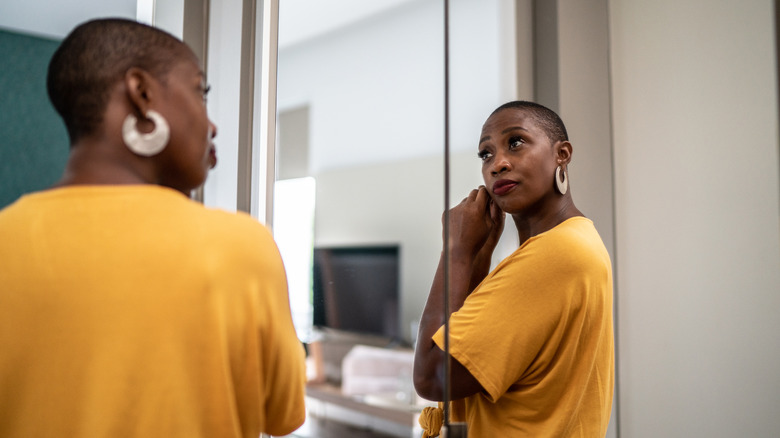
(537, 335)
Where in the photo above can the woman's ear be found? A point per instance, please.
(139, 85)
(563, 151)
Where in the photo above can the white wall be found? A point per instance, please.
(375, 88)
(167, 15)
(584, 102)
(698, 253)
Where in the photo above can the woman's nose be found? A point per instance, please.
(500, 165)
(212, 129)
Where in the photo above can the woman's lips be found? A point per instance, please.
(212, 157)
(503, 186)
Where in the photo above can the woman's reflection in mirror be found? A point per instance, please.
(531, 341)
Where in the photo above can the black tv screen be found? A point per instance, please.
(355, 289)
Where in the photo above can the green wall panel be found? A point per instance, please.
(33, 139)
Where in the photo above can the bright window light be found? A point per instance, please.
(293, 225)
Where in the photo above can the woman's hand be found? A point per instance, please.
(476, 225)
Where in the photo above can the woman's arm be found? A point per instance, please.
(475, 227)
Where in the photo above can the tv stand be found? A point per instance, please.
(379, 414)
(330, 347)
(366, 401)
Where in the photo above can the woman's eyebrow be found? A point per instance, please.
(510, 129)
(514, 128)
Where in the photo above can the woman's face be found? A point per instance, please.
(190, 153)
(518, 162)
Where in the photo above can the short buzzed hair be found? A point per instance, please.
(93, 57)
(547, 118)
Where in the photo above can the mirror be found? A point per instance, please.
(360, 113)
(359, 162)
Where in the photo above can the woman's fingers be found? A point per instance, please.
(482, 196)
(478, 196)
(496, 214)
(471, 197)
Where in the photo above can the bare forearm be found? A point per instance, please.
(429, 358)
(480, 269)
(475, 227)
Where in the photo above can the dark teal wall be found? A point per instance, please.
(33, 139)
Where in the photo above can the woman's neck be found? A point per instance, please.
(529, 225)
(94, 163)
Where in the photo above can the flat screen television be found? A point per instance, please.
(356, 289)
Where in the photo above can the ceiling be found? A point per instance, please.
(304, 19)
(300, 19)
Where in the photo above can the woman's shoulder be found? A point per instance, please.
(578, 241)
(574, 240)
(232, 238)
(227, 224)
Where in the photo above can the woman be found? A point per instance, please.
(532, 340)
(127, 309)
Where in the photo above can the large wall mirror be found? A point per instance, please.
(360, 138)
(360, 125)
(359, 189)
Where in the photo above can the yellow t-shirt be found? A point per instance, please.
(537, 334)
(132, 311)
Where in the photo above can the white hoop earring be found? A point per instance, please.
(149, 144)
(562, 186)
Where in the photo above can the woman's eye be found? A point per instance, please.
(205, 91)
(515, 143)
(484, 155)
